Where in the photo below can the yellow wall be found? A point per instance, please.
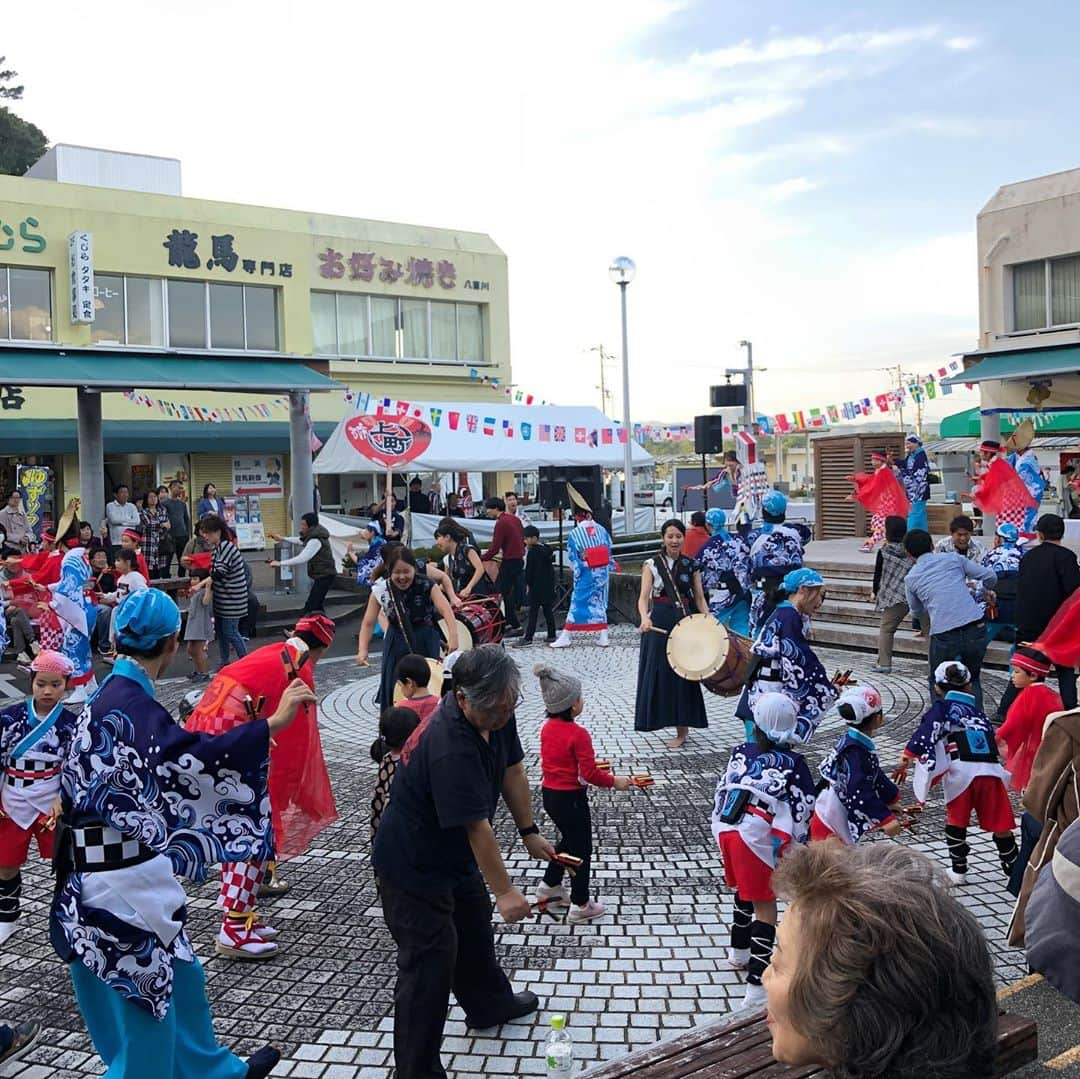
(129, 231)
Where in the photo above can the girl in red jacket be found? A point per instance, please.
(1019, 736)
(569, 765)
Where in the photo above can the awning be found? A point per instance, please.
(966, 424)
(22, 437)
(1053, 443)
(1020, 364)
(102, 369)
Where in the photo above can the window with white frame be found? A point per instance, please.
(1046, 293)
(184, 314)
(25, 304)
(385, 328)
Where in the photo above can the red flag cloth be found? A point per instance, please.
(1000, 491)
(301, 798)
(880, 492)
(1060, 641)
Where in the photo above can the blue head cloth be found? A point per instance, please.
(802, 578)
(145, 617)
(913, 438)
(774, 503)
(1009, 533)
(375, 527)
(716, 519)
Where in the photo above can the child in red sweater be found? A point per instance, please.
(568, 764)
(413, 674)
(1019, 736)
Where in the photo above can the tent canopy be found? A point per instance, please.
(522, 437)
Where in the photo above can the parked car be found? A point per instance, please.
(657, 494)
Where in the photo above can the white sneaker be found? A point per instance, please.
(603, 642)
(35, 647)
(562, 641)
(23, 658)
(6, 929)
(586, 912)
(755, 998)
(956, 879)
(551, 893)
(737, 958)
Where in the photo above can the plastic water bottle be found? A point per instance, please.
(559, 1050)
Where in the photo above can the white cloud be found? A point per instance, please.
(962, 44)
(786, 189)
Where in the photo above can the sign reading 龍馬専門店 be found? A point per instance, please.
(184, 253)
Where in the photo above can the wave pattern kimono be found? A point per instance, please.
(859, 793)
(589, 601)
(185, 800)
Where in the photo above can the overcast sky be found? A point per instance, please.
(803, 175)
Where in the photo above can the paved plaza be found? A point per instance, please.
(648, 970)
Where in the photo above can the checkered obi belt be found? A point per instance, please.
(29, 771)
(98, 847)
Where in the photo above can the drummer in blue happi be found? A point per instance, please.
(913, 471)
(724, 562)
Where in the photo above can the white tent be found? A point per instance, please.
(521, 438)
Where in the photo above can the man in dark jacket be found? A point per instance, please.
(1049, 574)
(179, 524)
(540, 582)
(318, 557)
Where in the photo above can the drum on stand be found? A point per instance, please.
(700, 649)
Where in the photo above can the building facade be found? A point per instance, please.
(394, 310)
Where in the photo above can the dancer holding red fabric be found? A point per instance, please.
(1000, 491)
(882, 495)
(301, 800)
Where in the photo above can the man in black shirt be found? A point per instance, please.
(434, 842)
(418, 501)
(1049, 574)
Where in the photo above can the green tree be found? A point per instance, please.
(21, 142)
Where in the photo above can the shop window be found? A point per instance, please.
(260, 318)
(383, 328)
(1046, 293)
(187, 314)
(226, 317)
(25, 304)
(128, 311)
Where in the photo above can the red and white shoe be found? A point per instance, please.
(239, 939)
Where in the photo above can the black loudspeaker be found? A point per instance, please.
(586, 480)
(727, 396)
(708, 434)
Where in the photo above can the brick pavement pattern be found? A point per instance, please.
(645, 971)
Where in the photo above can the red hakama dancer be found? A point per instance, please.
(882, 496)
(301, 800)
(1000, 491)
(43, 569)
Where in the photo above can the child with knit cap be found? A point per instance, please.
(568, 763)
(1019, 736)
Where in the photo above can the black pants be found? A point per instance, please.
(534, 614)
(444, 941)
(570, 812)
(1066, 679)
(316, 597)
(965, 643)
(509, 572)
(181, 542)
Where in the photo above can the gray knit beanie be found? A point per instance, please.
(560, 691)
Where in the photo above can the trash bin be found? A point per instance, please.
(283, 575)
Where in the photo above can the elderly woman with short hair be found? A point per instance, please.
(436, 848)
(878, 970)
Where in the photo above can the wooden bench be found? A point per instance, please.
(742, 1046)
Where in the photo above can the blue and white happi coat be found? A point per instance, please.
(1027, 468)
(782, 787)
(589, 600)
(929, 746)
(76, 613)
(915, 475)
(190, 799)
(370, 560)
(789, 666)
(859, 793)
(31, 745)
(1004, 560)
(775, 550)
(724, 562)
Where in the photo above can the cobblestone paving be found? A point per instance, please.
(647, 970)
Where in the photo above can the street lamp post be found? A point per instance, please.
(621, 271)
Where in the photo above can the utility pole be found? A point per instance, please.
(747, 373)
(903, 378)
(605, 393)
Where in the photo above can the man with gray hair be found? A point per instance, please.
(436, 848)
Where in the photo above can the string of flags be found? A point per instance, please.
(180, 410)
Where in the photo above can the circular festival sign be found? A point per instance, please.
(387, 440)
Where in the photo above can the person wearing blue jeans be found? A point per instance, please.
(936, 586)
(228, 634)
